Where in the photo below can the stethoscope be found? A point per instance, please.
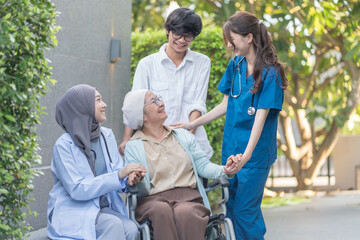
(251, 110)
(107, 150)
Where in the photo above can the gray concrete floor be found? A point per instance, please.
(40, 234)
(334, 216)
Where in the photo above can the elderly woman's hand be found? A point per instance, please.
(135, 177)
(130, 168)
(233, 164)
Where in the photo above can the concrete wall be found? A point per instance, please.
(82, 56)
(346, 158)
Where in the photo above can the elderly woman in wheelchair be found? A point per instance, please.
(171, 195)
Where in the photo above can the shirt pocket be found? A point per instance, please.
(67, 223)
(159, 86)
(189, 92)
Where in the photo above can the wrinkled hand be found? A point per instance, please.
(135, 177)
(185, 125)
(121, 147)
(131, 167)
(233, 164)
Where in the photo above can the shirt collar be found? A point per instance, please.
(189, 56)
(140, 134)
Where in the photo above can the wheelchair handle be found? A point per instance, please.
(220, 181)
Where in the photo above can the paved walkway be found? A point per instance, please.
(331, 217)
(40, 234)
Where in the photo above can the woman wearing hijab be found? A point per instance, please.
(88, 173)
(171, 194)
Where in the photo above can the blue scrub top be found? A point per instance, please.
(239, 123)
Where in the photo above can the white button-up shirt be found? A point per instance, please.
(183, 88)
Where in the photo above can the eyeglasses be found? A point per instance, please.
(187, 37)
(156, 100)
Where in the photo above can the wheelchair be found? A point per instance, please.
(219, 227)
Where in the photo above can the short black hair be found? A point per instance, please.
(184, 20)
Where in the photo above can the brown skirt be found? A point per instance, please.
(176, 214)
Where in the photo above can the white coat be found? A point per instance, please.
(74, 200)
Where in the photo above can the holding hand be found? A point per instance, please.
(130, 168)
(234, 164)
(135, 177)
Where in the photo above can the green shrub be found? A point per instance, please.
(27, 29)
(210, 43)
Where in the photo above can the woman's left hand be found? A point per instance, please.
(130, 168)
(135, 177)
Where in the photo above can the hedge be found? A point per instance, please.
(210, 43)
(27, 29)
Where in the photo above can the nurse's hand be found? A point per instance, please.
(186, 125)
(131, 167)
(234, 164)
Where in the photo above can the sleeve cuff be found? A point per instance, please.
(123, 184)
(197, 106)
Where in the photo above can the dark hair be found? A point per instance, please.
(244, 23)
(184, 20)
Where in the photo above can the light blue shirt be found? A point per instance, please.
(100, 166)
(74, 200)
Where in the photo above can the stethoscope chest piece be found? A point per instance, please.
(251, 111)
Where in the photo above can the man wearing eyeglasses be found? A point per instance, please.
(179, 75)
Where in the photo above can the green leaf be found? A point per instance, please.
(350, 54)
(10, 118)
(3, 191)
(7, 16)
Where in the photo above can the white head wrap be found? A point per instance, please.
(133, 108)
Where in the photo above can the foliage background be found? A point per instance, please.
(27, 29)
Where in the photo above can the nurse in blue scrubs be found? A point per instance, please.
(253, 87)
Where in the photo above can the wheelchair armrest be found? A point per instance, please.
(132, 201)
(224, 183)
(220, 182)
(133, 190)
(214, 183)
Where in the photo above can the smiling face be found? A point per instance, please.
(178, 46)
(100, 107)
(154, 110)
(241, 44)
